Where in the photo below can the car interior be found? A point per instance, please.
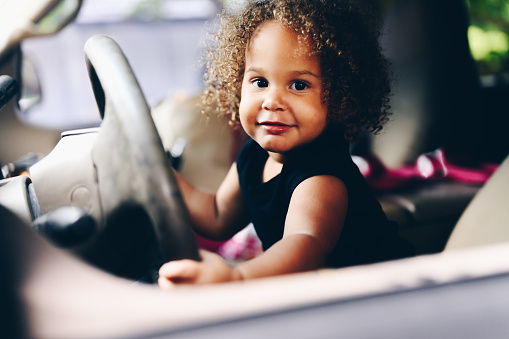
(440, 170)
(51, 293)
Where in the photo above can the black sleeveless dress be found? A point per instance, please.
(367, 235)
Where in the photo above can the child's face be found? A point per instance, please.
(281, 104)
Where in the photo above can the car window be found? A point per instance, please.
(161, 40)
(488, 35)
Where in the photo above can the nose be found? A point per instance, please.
(274, 100)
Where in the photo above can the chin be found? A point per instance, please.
(274, 147)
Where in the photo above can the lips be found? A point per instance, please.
(275, 127)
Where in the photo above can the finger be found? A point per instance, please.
(207, 256)
(181, 271)
(165, 284)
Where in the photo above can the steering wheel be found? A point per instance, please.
(138, 192)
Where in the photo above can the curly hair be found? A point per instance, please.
(345, 36)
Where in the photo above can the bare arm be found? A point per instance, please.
(216, 216)
(313, 224)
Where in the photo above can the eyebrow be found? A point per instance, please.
(308, 73)
(257, 70)
(253, 69)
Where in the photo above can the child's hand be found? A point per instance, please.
(212, 269)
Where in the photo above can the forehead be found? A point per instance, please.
(273, 34)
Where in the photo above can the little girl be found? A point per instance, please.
(303, 78)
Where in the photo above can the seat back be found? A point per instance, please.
(486, 219)
(436, 89)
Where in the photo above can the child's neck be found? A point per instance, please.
(273, 166)
(277, 157)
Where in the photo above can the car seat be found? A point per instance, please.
(436, 99)
(486, 219)
(437, 104)
(208, 142)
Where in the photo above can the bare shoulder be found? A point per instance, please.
(322, 187)
(318, 207)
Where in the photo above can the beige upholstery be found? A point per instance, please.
(486, 219)
(209, 151)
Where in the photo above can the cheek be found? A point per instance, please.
(242, 107)
(319, 120)
(247, 107)
(244, 98)
(318, 115)
(324, 113)
(244, 115)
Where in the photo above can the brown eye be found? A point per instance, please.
(299, 85)
(260, 83)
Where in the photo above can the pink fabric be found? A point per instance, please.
(243, 246)
(429, 166)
